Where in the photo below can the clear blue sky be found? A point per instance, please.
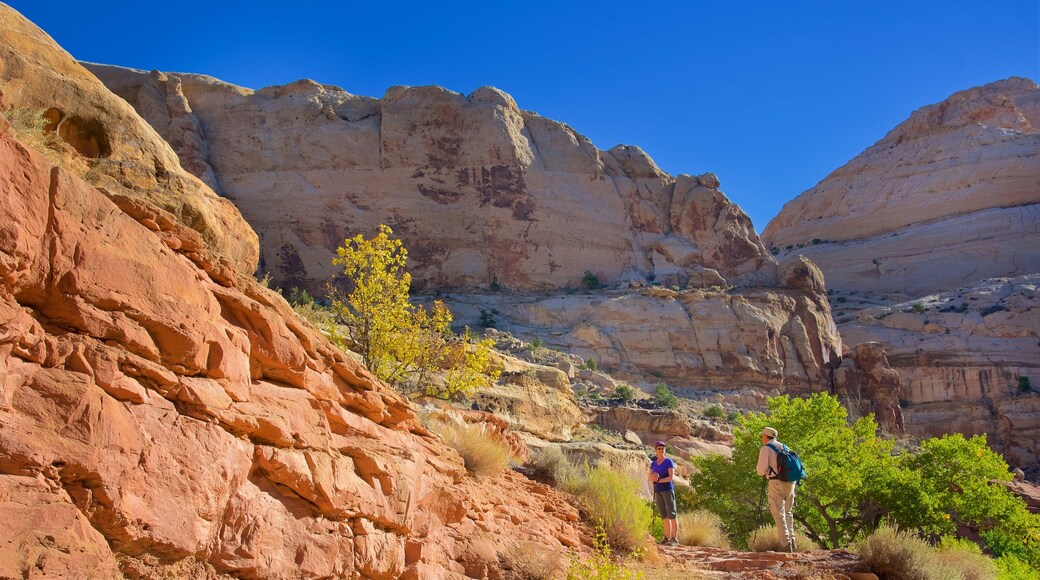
(771, 96)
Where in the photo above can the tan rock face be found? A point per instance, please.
(928, 240)
(160, 412)
(481, 192)
(107, 140)
(947, 198)
(959, 355)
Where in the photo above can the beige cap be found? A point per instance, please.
(770, 432)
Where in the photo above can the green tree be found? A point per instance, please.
(402, 343)
(852, 473)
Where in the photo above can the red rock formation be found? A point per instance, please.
(160, 411)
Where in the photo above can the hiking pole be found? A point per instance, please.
(761, 508)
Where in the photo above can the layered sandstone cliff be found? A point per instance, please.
(928, 241)
(108, 142)
(949, 197)
(483, 193)
(504, 204)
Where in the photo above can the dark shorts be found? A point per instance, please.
(665, 501)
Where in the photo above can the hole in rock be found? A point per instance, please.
(87, 136)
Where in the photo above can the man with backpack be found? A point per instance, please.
(772, 465)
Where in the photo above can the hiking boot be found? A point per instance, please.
(674, 542)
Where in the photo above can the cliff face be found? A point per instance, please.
(504, 204)
(161, 414)
(481, 192)
(928, 241)
(159, 411)
(949, 197)
(108, 143)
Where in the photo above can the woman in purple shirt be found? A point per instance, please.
(661, 470)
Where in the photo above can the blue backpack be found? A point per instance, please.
(789, 465)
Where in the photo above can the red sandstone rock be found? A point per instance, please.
(160, 412)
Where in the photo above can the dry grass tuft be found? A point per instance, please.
(765, 539)
(531, 561)
(702, 528)
(890, 553)
(483, 455)
(552, 466)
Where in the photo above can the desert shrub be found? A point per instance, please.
(664, 397)
(766, 539)
(1012, 568)
(590, 364)
(530, 561)
(890, 553)
(966, 558)
(613, 499)
(590, 281)
(685, 498)
(625, 392)
(1024, 385)
(482, 454)
(601, 565)
(714, 412)
(702, 528)
(552, 466)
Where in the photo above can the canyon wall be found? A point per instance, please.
(163, 415)
(929, 244)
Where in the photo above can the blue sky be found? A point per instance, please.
(771, 96)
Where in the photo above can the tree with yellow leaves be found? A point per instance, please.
(404, 344)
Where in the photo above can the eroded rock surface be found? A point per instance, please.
(160, 411)
(109, 143)
(928, 240)
(947, 198)
(482, 193)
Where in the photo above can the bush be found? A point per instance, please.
(551, 466)
(1024, 385)
(966, 558)
(664, 397)
(590, 281)
(483, 455)
(766, 539)
(714, 412)
(625, 392)
(685, 498)
(529, 560)
(702, 528)
(613, 499)
(601, 566)
(1011, 567)
(590, 364)
(918, 307)
(890, 553)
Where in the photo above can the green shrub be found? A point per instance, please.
(664, 397)
(613, 499)
(1012, 568)
(702, 528)
(590, 364)
(483, 455)
(714, 412)
(732, 416)
(590, 281)
(918, 307)
(625, 392)
(1024, 385)
(685, 497)
(601, 566)
(766, 539)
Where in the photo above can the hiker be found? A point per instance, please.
(781, 493)
(661, 471)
